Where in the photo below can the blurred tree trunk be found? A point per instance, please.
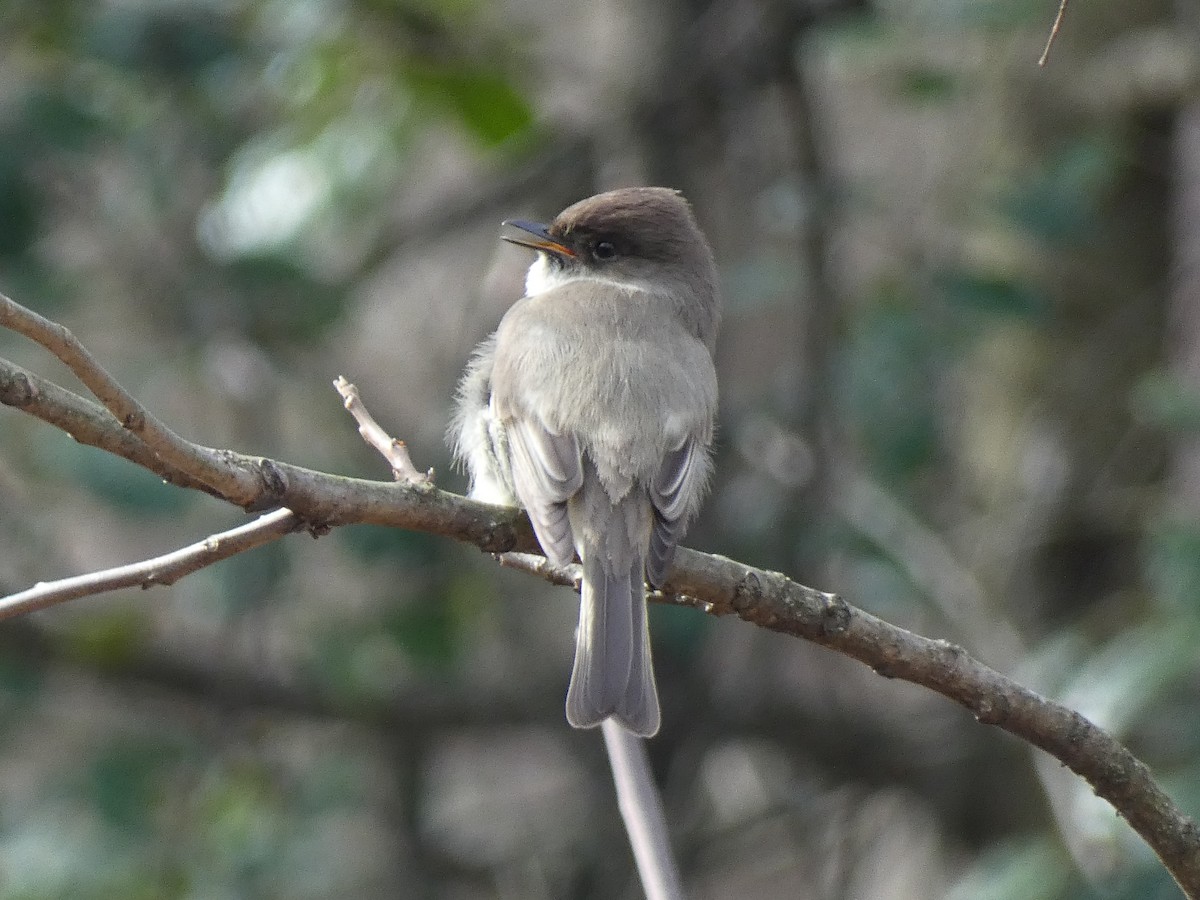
(1184, 301)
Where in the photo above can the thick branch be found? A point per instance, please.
(86, 421)
(317, 498)
(714, 584)
(234, 482)
(773, 601)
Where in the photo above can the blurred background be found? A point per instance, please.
(959, 386)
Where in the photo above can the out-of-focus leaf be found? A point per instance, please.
(432, 629)
(890, 366)
(279, 303)
(927, 84)
(993, 13)
(18, 210)
(110, 636)
(20, 682)
(127, 780)
(886, 590)
(372, 543)
(1183, 784)
(1149, 881)
(119, 482)
(1061, 204)
(443, 11)
(248, 580)
(1174, 565)
(56, 118)
(678, 630)
(171, 39)
(357, 664)
(428, 631)
(483, 101)
(1031, 871)
(241, 818)
(1167, 401)
(1121, 680)
(992, 294)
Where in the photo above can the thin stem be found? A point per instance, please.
(165, 569)
(641, 808)
(395, 451)
(1058, 20)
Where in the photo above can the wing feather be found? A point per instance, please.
(547, 472)
(675, 492)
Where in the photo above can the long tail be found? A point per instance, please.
(613, 673)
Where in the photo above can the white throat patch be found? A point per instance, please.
(543, 276)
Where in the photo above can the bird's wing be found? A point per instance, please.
(674, 492)
(547, 471)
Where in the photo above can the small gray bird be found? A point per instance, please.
(592, 407)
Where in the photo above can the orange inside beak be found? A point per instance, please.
(535, 236)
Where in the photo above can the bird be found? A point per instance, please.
(593, 407)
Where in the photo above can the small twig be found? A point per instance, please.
(1058, 20)
(165, 569)
(534, 564)
(641, 808)
(393, 450)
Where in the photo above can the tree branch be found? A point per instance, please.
(203, 463)
(714, 584)
(165, 569)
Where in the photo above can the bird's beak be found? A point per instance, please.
(534, 236)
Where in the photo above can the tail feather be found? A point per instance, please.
(613, 674)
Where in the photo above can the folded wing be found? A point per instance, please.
(547, 471)
(675, 491)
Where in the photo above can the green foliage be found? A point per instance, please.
(483, 101)
(1146, 882)
(428, 632)
(433, 629)
(20, 685)
(1062, 203)
(119, 483)
(127, 782)
(980, 292)
(284, 305)
(890, 370)
(403, 549)
(679, 631)
(250, 581)
(927, 84)
(1174, 566)
(172, 40)
(199, 170)
(1168, 401)
(999, 13)
(243, 822)
(107, 636)
(55, 118)
(1031, 870)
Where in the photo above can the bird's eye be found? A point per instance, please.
(604, 250)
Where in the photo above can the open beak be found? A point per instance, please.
(534, 236)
